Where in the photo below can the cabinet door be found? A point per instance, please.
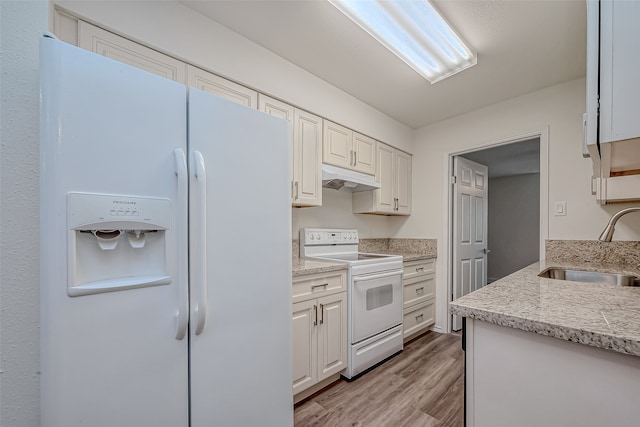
(364, 154)
(307, 159)
(304, 339)
(385, 172)
(276, 108)
(332, 335)
(403, 182)
(337, 145)
(279, 109)
(619, 66)
(209, 82)
(115, 47)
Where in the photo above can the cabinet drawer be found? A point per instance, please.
(418, 289)
(418, 268)
(318, 285)
(418, 317)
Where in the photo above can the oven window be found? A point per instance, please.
(379, 297)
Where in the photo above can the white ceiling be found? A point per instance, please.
(522, 45)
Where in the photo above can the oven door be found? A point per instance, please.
(376, 304)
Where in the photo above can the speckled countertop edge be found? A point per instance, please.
(303, 266)
(602, 316)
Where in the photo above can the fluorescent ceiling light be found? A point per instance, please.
(415, 32)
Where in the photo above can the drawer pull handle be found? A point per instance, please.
(419, 318)
(419, 269)
(319, 286)
(420, 290)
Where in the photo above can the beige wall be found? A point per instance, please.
(558, 109)
(514, 218)
(22, 24)
(336, 212)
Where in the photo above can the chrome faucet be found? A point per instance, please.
(607, 233)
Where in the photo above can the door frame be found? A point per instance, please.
(448, 195)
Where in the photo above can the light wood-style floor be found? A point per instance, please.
(421, 386)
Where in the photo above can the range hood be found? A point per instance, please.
(348, 180)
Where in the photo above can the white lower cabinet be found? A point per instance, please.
(418, 297)
(319, 329)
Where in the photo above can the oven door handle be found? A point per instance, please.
(357, 279)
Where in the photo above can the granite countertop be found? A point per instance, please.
(603, 316)
(303, 266)
(406, 256)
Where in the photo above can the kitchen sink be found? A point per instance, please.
(590, 276)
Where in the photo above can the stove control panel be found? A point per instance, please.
(328, 236)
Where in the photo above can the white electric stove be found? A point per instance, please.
(374, 295)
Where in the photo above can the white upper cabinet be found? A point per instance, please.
(403, 183)
(348, 149)
(120, 49)
(393, 173)
(306, 154)
(364, 152)
(612, 128)
(337, 143)
(619, 70)
(276, 108)
(385, 196)
(307, 159)
(209, 82)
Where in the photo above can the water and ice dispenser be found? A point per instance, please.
(116, 242)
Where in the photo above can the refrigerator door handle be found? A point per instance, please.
(182, 316)
(200, 310)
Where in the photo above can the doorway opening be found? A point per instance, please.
(502, 228)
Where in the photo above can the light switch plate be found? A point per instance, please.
(560, 208)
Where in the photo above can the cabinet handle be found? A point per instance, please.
(321, 314)
(351, 158)
(319, 286)
(315, 315)
(419, 269)
(419, 316)
(297, 194)
(395, 203)
(182, 315)
(200, 307)
(420, 290)
(355, 158)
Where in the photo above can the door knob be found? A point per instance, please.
(486, 251)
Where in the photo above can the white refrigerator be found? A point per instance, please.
(165, 252)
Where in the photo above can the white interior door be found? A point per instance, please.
(470, 209)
